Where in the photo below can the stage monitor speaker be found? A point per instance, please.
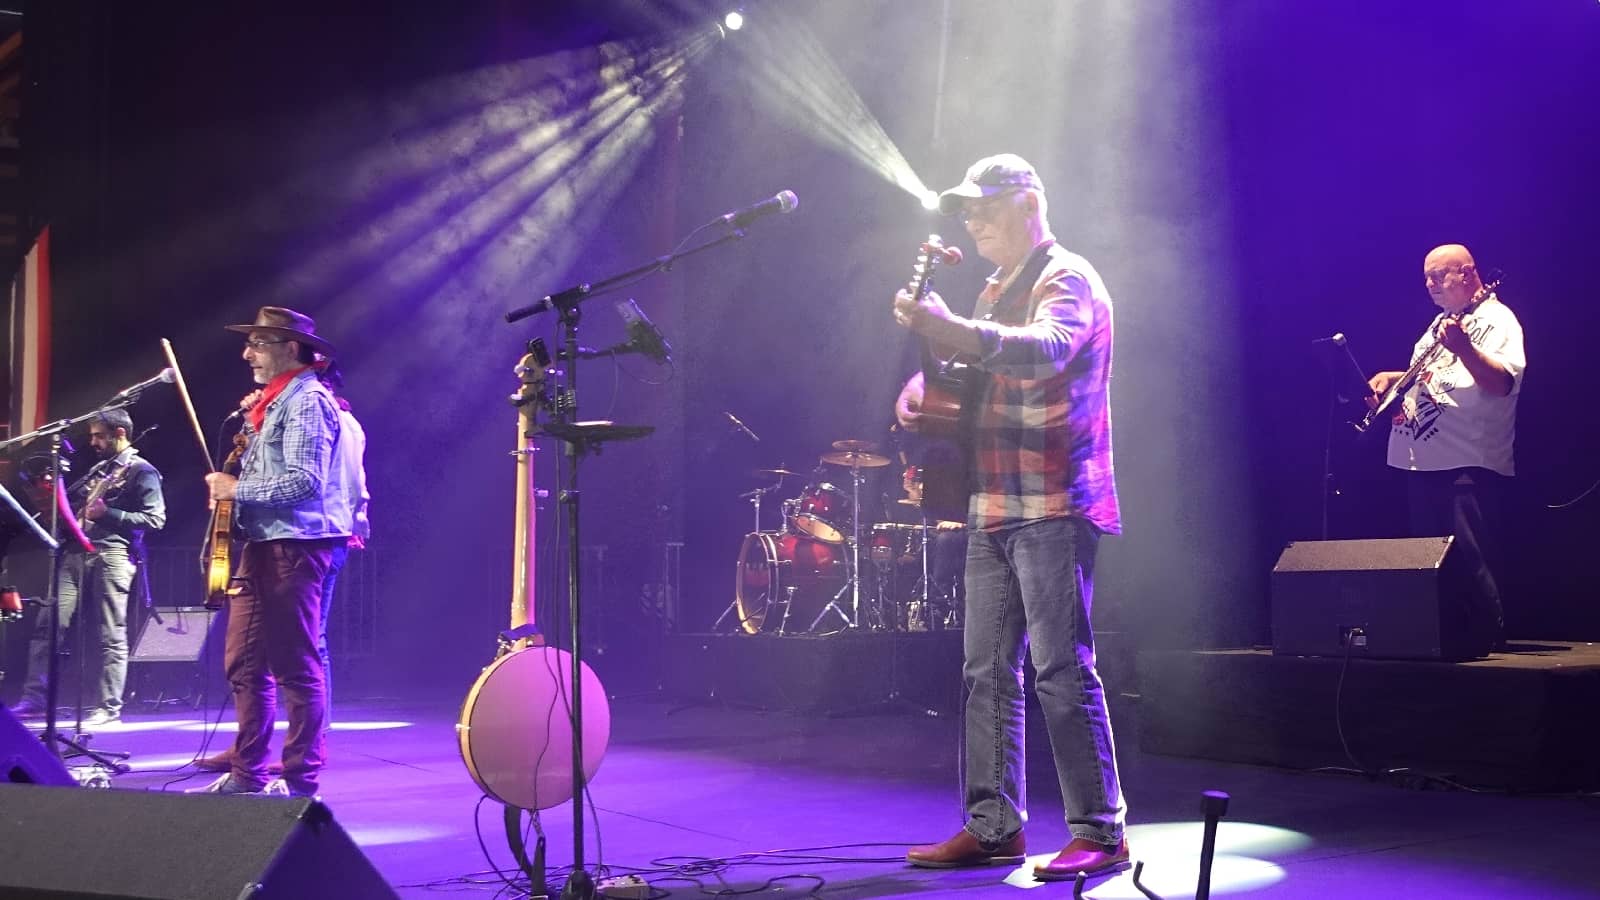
(1379, 599)
(183, 634)
(24, 759)
(72, 842)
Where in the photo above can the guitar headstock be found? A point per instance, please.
(1489, 286)
(933, 252)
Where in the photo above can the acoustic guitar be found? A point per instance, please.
(949, 391)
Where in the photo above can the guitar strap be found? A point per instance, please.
(1011, 308)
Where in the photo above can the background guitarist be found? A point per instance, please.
(1042, 494)
(118, 498)
(1454, 426)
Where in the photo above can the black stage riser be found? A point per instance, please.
(833, 673)
(1523, 721)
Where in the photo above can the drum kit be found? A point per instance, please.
(807, 577)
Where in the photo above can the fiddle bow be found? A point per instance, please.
(215, 559)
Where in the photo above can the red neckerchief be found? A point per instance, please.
(258, 413)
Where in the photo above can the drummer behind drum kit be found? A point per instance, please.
(806, 577)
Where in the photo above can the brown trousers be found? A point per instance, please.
(273, 625)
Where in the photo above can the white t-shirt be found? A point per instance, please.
(1445, 421)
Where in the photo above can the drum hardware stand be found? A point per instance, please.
(755, 497)
(578, 437)
(788, 604)
(852, 586)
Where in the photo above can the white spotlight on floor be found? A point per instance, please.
(734, 20)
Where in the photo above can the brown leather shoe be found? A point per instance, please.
(223, 762)
(220, 762)
(964, 850)
(1086, 856)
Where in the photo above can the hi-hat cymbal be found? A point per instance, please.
(855, 460)
(852, 446)
(780, 472)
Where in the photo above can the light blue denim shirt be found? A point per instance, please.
(288, 483)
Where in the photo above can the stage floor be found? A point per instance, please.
(684, 785)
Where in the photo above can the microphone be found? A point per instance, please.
(165, 375)
(742, 427)
(643, 335)
(782, 202)
(246, 403)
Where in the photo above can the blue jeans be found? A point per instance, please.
(329, 581)
(102, 579)
(1033, 584)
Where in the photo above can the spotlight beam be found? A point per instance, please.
(798, 82)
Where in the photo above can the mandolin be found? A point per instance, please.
(1426, 358)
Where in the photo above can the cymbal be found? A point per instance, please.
(855, 460)
(849, 446)
(907, 501)
(780, 472)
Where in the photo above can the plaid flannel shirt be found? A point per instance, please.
(1042, 432)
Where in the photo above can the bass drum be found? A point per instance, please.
(516, 734)
(770, 564)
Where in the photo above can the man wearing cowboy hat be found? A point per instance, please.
(290, 508)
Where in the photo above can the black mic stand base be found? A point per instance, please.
(579, 886)
(108, 759)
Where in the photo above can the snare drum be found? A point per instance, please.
(770, 565)
(893, 542)
(824, 513)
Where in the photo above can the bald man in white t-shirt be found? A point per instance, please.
(1455, 424)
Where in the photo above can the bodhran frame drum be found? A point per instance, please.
(777, 568)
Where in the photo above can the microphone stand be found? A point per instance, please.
(52, 738)
(578, 438)
(570, 298)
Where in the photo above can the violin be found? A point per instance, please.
(217, 557)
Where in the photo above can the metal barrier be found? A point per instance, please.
(176, 580)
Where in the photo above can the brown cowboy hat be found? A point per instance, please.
(287, 324)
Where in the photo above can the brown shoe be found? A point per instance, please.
(964, 850)
(1086, 856)
(223, 762)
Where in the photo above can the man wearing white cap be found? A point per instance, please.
(1043, 493)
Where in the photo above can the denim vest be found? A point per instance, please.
(324, 514)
